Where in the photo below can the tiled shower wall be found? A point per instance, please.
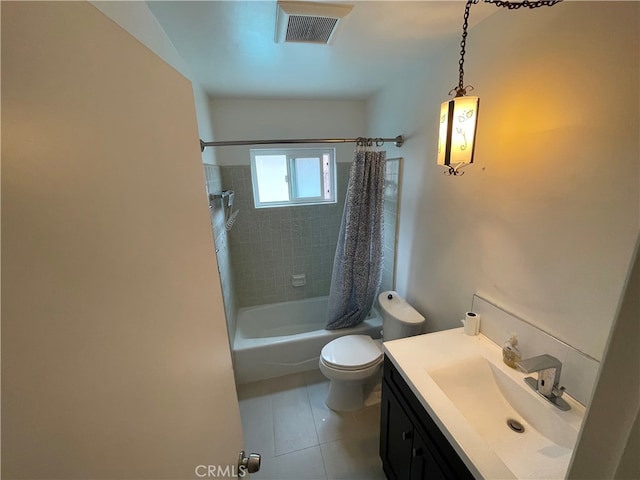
(265, 247)
(213, 176)
(269, 245)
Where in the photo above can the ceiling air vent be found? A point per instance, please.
(309, 22)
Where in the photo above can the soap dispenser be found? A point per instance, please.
(511, 352)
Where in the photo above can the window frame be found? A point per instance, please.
(291, 154)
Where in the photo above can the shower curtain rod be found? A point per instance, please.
(398, 141)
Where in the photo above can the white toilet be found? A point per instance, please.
(351, 360)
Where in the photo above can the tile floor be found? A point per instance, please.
(286, 421)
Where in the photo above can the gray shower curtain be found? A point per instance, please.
(357, 266)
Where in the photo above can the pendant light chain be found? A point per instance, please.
(460, 90)
(525, 3)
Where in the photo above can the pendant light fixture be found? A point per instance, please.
(459, 116)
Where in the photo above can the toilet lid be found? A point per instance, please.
(351, 352)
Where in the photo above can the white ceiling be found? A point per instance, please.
(230, 49)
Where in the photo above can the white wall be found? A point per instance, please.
(608, 442)
(545, 222)
(137, 19)
(115, 362)
(259, 119)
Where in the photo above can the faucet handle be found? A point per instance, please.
(558, 390)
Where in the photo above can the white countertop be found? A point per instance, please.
(415, 356)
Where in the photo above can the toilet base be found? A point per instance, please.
(345, 396)
(372, 391)
(351, 395)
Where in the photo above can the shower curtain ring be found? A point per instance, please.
(379, 142)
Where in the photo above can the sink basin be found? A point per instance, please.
(488, 398)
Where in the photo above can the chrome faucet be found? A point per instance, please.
(548, 382)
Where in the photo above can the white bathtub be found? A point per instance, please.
(282, 338)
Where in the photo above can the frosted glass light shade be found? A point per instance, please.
(458, 123)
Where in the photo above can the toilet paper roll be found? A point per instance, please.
(471, 323)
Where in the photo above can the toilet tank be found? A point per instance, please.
(399, 319)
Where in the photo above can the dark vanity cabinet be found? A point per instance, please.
(412, 447)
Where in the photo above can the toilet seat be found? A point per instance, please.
(351, 352)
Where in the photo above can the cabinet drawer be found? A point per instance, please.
(396, 437)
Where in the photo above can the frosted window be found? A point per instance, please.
(272, 172)
(283, 177)
(308, 177)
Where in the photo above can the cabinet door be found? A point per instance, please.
(423, 465)
(396, 437)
